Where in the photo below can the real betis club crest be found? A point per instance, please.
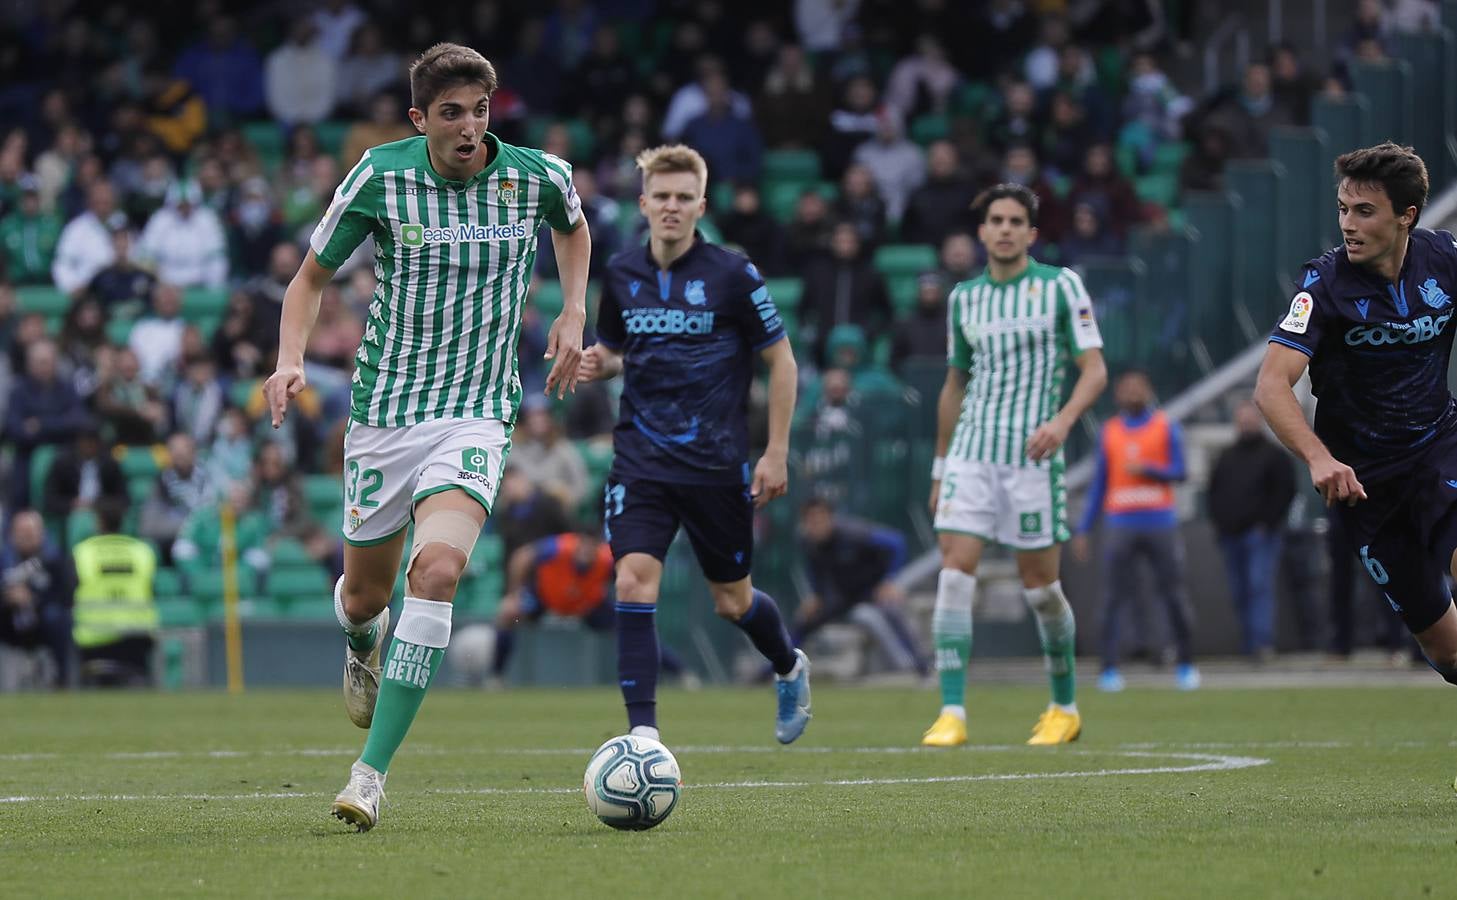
(507, 192)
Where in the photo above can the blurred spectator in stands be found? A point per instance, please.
(546, 457)
(822, 24)
(850, 565)
(607, 75)
(266, 290)
(225, 70)
(197, 402)
(569, 30)
(336, 22)
(132, 408)
(842, 289)
(83, 334)
(1411, 17)
(942, 204)
(958, 258)
(184, 240)
(1248, 115)
(922, 83)
(387, 122)
(847, 348)
(300, 62)
(123, 288)
(173, 110)
(37, 584)
(692, 99)
(830, 410)
(793, 107)
(13, 167)
(1250, 490)
(1078, 78)
(236, 342)
(922, 334)
(1001, 34)
(1153, 103)
(43, 410)
(255, 225)
(85, 246)
(897, 164)
(524, 511)
(198, 549)
(754, 230)
(1100, 185)
(618, 173)
(808, 234)
(1203, 168)
(230, 456)
(1020, 166)
(82, 476)
(217, 191)
(860, 204)
(157, 338)
(1087, 237)
(1366, 26)
(9, 322)
(370, 70)
(544, 88)
(1065, 137)
(1371, 50)
(280, 496)
(181, 489)
(304, 203)
(25, 330)
(1040, 67)
(28, 236)
(56, 166)
(329, 356)
(239, 158)
(591, 413)
(1016, 122)
(853, 122)
(603, 217)
(728, 140)
(1291, 86)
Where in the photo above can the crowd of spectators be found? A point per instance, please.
(160, 174)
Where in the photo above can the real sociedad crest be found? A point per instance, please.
(693, 293)
(1433, 295)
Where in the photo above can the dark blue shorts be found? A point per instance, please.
(1405, 534)
(642, 516)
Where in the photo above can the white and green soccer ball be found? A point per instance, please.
(632, 782)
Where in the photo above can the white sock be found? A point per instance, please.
(646, 731)
(955, 710)
(348, 624)
(425, 623)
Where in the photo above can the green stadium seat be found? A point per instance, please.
(786, 293)
(780, 197)
(791, 165)
(546, 294)
(42, 298)
(207, 585)
(331, 135)
(200, 303)
(1169, 156)
(167, 582)
(720, 197)
(1346, 124)
(268, 139)
(305, 582)
(1158, 187)
(286, 554)
(1433, 98)
(80, 525)
(975, 98)
(1257, 240)
(118, 330)
(141, 462)
(929, 127)
(1387, 85)
(241, 392)
(903, 290)
(892, 260)
(1304, 198)
(179, 613)
(323, 490)
(40, 466)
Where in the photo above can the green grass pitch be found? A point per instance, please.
(1219, 793)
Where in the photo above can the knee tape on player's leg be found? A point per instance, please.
(450, 527)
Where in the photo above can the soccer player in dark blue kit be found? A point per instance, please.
(684, 320)
(1373, 320)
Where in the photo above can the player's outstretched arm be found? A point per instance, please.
(564, 341)
(771, 475)
(1275, 396)
(1092, 378)
(948, 410)
(300, 310)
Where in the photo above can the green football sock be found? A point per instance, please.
(951, 630)
(414, 659)
(1058, 631)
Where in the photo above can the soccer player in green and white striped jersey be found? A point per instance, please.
(454, 215)
(1001, 424)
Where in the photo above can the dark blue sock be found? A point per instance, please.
(765, 627)
(505, 641)
(637, 662)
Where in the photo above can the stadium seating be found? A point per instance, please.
(1303, 191)
(786, 293)
(42, 298)
(893, 260)
(791, 165)
(1387, 85)
(1431, 53)
(1259, 240)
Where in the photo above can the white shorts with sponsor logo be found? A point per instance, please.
(1021, 507)
(388, 470)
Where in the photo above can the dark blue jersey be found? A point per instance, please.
(689, 337)
(1378, 353)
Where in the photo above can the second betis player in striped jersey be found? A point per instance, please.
(454, 214)
(1001, 424)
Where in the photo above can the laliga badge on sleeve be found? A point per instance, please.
(1298, 319)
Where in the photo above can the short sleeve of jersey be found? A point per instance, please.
(1301, 326)
(958, 351)
(564, 213)
(351, 216)
(762, 325)
(1081, 327)
(610, 331)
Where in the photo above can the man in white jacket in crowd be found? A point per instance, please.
(85, 245)
(184, 240)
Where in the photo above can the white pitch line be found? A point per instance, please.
(1202, 762)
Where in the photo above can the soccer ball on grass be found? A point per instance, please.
(632, 783)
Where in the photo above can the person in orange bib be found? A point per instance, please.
(568, 575)
(1140, 458)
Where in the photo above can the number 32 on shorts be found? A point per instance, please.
(360, 486)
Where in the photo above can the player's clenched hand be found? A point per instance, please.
(1336, 481)
(592, 366)
(1046, 439)
(771, 479)
(282, 386)
(564, 345)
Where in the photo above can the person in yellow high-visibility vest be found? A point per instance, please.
(114, 615)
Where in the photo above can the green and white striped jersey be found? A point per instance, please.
(1015, 339)
(453, 261)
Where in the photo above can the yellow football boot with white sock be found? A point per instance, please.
(949, 730)
(1056, 726)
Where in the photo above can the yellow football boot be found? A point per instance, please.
(946, 731)
(1055, 726)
